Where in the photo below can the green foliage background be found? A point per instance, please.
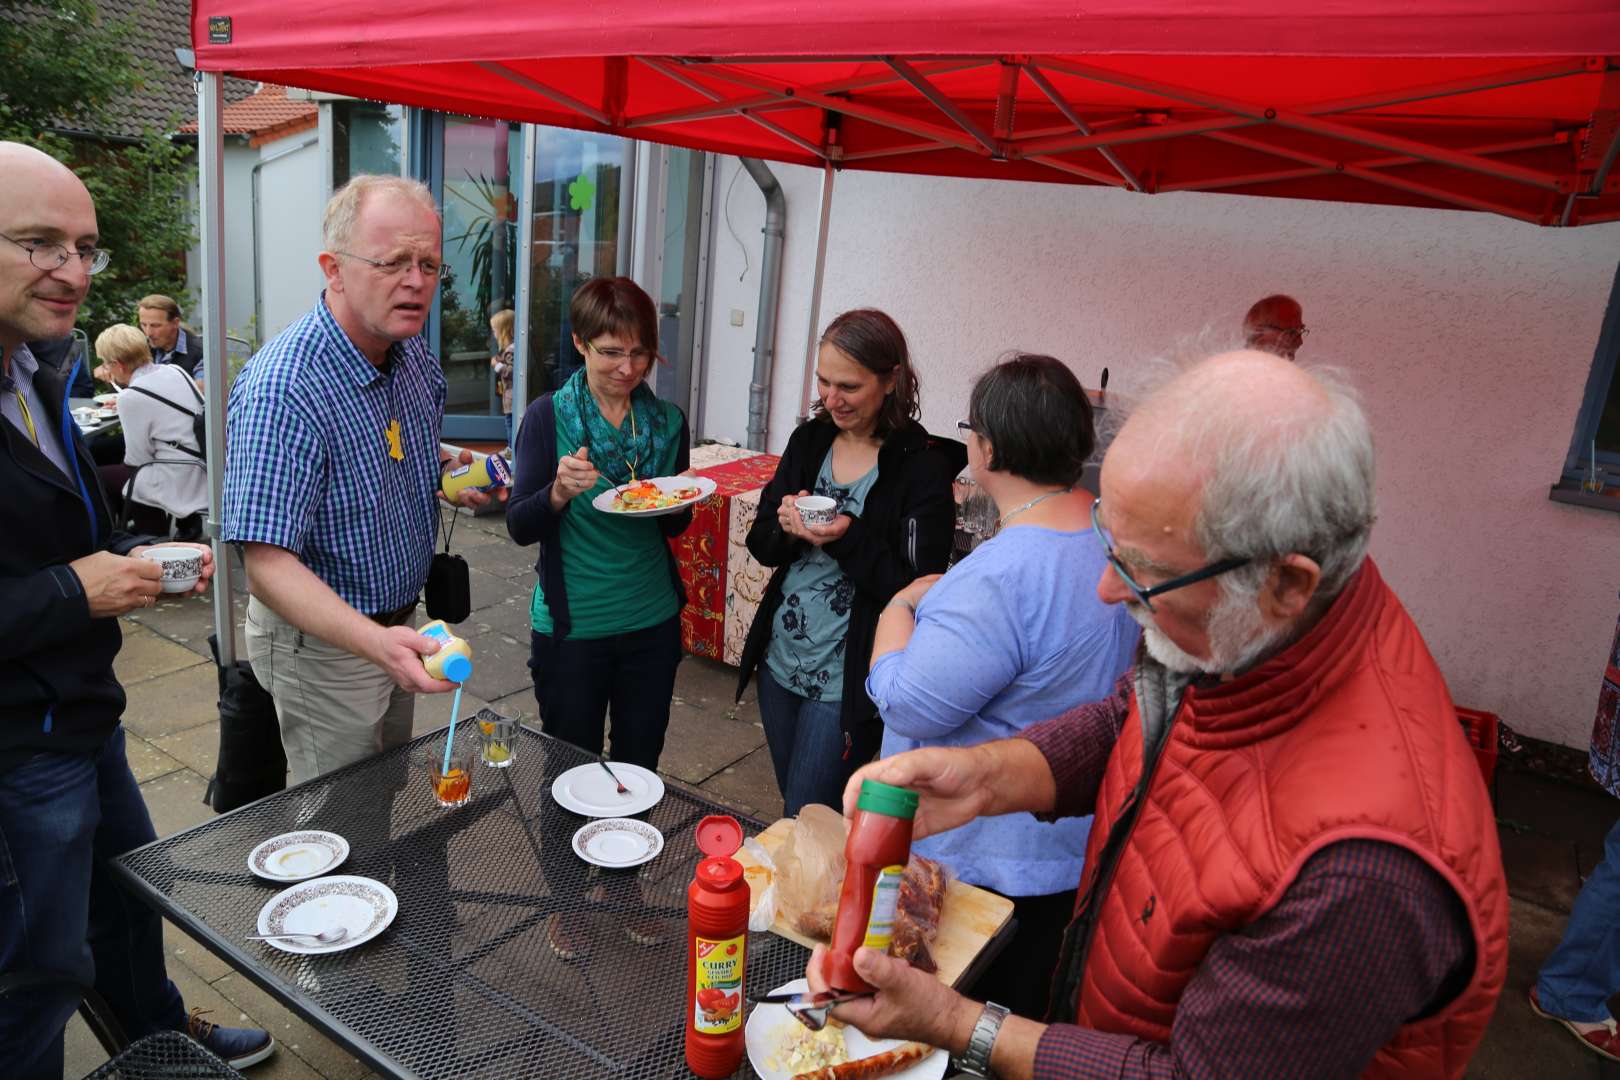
(64, 69)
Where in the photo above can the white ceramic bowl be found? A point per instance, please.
(182, 566)
(817, 509)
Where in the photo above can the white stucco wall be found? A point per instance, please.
(289, 224)
(1470, 337)
(290, 208)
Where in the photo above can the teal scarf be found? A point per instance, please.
(643, 444)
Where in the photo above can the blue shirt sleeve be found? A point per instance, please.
(274, 462)
(965, 650)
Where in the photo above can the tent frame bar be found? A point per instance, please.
(211, 227)
(1038, 77)
(549, 93)
(679, 76)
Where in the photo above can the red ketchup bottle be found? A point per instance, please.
(876, 850)
(717, 952)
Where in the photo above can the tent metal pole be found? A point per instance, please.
(525, 276)
(211, 212)
(813, 344)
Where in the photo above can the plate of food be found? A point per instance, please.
(781, 1048)
(655, 497)
(106, 401)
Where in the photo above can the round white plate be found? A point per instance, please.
(106, 401)
(360, 905)
(586, 789)
(768, 1024)
(613, 842)
(705, 486)
(298, 856)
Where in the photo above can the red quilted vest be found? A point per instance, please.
(1349, 733)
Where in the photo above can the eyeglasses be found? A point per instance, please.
(614, 354)
(1301, 332)
(1146, 593)
(47, 256)
(964, 428)
(395, 267)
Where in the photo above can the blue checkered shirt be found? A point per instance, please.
(307, 463)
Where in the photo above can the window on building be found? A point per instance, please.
(1592, 468)
(367, 137)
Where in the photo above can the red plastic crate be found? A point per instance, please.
(1481, 728)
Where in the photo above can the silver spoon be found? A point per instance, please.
(325, 937)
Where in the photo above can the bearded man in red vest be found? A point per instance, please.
(1294, 868)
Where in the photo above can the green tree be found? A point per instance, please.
(65, 73)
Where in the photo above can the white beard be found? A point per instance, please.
(1237, 637)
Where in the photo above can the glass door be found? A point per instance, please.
(575, 207)
(470, 163)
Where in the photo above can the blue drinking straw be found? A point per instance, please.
(450, 739)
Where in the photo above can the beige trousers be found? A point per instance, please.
(334, 708)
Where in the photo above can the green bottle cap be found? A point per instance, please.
(888, 800)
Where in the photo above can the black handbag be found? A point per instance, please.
(251, 761)
(448, 591)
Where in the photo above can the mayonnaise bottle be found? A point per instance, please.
(484, 473)
(453, 659)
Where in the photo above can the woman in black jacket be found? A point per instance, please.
(891, 481)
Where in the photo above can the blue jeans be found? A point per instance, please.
(62, 818)
(1577, 979)
(807, 746)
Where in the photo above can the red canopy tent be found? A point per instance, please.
(1504, 106)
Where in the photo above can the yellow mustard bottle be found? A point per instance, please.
(484, 473)
(453, 660)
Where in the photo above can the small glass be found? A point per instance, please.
(499, 740)
(452, 786)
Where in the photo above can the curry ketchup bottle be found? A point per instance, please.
(716, 951)
(876, 852)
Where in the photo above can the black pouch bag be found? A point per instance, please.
(251, 762)
(448, 592)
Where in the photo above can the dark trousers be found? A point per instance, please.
(1021, 977)
(626, 678)
(63, 817)
(139, 517)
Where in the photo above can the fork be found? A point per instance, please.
(325, 937)
(616, 781)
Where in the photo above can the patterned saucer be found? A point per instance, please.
(359, 905)
(298, 856)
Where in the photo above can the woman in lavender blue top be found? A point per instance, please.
(1012, 635)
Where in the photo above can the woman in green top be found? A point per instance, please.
(605, 619)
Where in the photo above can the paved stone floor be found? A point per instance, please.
(1551, 832)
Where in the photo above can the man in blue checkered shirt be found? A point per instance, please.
(332, 475)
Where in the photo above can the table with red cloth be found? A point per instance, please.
(723, 582)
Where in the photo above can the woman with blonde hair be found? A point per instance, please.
(161, 488)
(503, 325)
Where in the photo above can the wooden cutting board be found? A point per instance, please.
(970, 919)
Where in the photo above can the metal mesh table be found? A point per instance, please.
(168, 1055)
(464, 982)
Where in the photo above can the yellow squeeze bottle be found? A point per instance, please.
(486, 473)
(453, 660)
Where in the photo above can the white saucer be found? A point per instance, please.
(360, 905)
(298, 856)
(589, 790)
(766, 1023)
(615, 842)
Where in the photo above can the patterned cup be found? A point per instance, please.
(816, 509)
(182, 566)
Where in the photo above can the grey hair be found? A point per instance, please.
(1302, 484)
(343, 208)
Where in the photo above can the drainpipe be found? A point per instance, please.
(770, 288)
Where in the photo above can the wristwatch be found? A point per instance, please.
(975, 1060)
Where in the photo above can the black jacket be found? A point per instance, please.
(190, 361)
(57, 688)
(904, 531)
(531, 520)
